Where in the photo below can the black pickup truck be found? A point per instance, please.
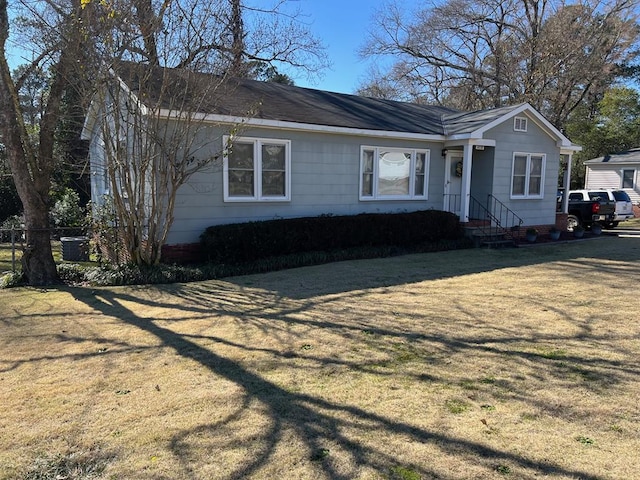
(587, 207)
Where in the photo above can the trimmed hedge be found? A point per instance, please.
(248, 242)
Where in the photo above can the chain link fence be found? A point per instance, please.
(73, 244)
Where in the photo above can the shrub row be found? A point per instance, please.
(127, 274)
(248, 242)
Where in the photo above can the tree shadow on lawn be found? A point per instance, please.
(319, 424)
(348, 276)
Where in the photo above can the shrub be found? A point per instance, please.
(248, 242)
(11, 279)
(67, 212)
(72, 272)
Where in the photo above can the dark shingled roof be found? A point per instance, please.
(209, 94)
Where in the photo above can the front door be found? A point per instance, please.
(453, 182)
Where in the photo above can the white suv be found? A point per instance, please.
(624, 206)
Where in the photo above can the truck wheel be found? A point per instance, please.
(572, 222)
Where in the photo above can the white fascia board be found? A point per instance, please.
(305, 127)
(89, 121)
(488, 126)
(458, 140)
(537, 117)
(95, 107)
(609, 164)
(569, 149)
(144, 110)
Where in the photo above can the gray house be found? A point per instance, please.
(293, 152)
(616, 171)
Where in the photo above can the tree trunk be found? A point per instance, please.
(31, 171)
(38, 265)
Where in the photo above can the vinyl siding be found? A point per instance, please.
(534, 140)
(325, 172)
(610, 176)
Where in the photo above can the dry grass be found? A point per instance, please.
(10, 256)
(458, 365)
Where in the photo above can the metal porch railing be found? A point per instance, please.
(495, 218)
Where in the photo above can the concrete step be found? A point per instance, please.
(504, 243)
(489, 237)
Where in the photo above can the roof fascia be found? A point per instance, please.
(615, 162)
(123, 85)
(569, 149)
(95, 108)
(461, 140)
(563, 142)
(90, 120)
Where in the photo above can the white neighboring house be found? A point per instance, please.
(307, 152)
(617, 171)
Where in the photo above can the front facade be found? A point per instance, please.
(309, 153)
(620, 171)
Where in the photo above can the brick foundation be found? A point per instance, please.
(561, 221)
(182, 253)
(543, 230)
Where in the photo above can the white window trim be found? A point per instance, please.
(412, 196)
(257, 168)
(522, 120)
(633, 180)
(528, 175)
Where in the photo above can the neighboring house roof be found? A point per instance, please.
(628, 157)
(273, 104)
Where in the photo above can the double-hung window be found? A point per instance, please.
(520, 124)
(628, 178)
(257, 169)
(527, 178)
(393, 173)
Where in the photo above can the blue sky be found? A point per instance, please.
(342, 27)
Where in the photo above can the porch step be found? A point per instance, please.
(504, 243)
(491, 237)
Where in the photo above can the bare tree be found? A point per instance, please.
(470, 54)
(81, 42)
(151, 140)
(151, 135)
(32, 162)
(220, 36)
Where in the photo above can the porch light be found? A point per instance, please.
(444, 152)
